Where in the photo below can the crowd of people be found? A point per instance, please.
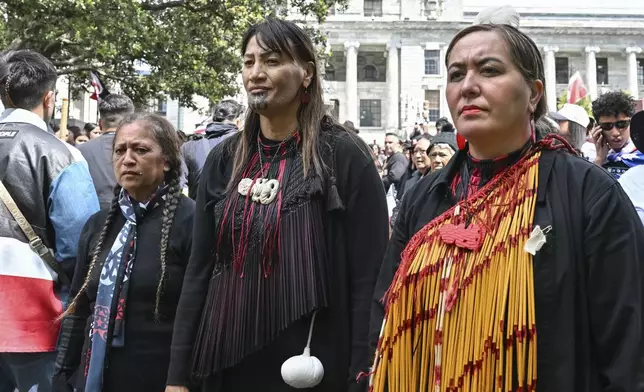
(280, 251)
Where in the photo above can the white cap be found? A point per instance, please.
(574, 113)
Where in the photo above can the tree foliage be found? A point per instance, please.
(190, 46)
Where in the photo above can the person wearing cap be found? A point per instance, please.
(350, 126)
(572, 120)
(633, 180)
(441, 150)
(616, 152)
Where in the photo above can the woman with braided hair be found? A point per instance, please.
(117, 330)
(518, 266)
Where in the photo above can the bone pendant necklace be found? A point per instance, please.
(262, 190)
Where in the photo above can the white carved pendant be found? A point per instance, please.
(269, 191)
(244, 186)
(256, 192)
(261, 190)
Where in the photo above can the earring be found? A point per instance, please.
(305, 97)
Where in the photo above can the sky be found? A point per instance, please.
(557, 6)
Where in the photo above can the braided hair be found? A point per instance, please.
(166, 136)
(114, 208)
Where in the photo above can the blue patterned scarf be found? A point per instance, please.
(111, 299)
(630, 155)
(617, 163)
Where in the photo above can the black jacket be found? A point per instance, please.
(38, 170)
(98, 154)
(195, 152)
(588, 275)
(396, 168)
(142, 363)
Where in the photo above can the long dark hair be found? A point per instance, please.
(165, 135)
(523, 51)
(288, 39)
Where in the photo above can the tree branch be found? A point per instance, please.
(162, 6)
(57, 44)
(76, 68)
(16, 44)
(70, 62)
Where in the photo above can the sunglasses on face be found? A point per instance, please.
(621, 125)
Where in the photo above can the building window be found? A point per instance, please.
(562, 70)
(329, 73)
(432, 61)
(372, 7)
(162, 105)
(602, 70)
(433, 104)
(370, 73)
(370, 113)
(640, 72)
(335, 110)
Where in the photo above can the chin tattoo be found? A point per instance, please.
(257, 102)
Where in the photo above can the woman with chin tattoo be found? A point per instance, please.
(288, 239)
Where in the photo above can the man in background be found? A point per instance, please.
(98, 151)
(615, 150)
(225, 124)
(50, 183)
(396, 165)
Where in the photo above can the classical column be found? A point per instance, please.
(351, 49)
(591, 71)
(444, 112)
(551, 77)
(392, 85)
(631, 53)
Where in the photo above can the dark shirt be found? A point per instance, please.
(396, 168)
(588, 277)
(195, 152)
(355, 232)
(616, 168)
(98, 154)
(141, 365)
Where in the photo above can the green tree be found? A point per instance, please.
(585, 102)
(190, 46)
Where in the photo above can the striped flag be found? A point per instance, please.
(100, 92)
(29, 307)
(576, 88)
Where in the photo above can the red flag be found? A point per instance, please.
(576, 88)
(100, 92)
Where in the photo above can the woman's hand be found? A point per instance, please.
(601, 146)
(172, 388)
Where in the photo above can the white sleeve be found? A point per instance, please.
(633, 183)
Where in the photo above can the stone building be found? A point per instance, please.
(387, 57)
